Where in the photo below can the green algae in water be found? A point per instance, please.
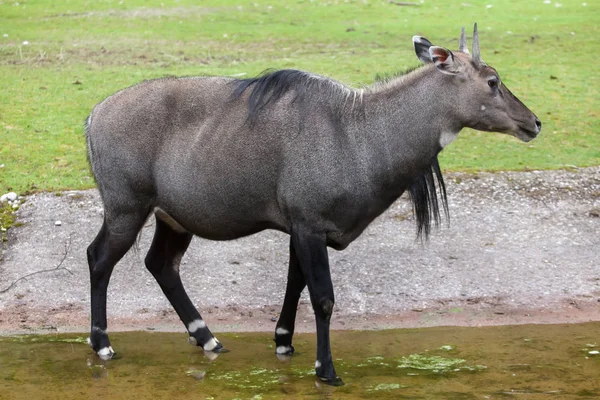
(429, 363)
(386, 386)
(437, 364)
(392, 364)
(47, 338)
(421, 362)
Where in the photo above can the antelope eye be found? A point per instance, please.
(493, 82)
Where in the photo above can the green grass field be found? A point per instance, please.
(58, 59)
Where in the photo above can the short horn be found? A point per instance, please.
(462, 45)
(476, 55)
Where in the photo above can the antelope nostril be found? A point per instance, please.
(538, 123)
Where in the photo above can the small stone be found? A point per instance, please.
(196, 374)
(11, 196)
(58, 223)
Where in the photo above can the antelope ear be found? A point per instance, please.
(444, 60)
(422, 46)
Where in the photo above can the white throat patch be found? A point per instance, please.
(447, 137)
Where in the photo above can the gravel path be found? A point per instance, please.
(521, 247)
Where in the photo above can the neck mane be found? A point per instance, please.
(271, 86)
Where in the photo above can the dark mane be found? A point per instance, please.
(424, 195)
(270, 86)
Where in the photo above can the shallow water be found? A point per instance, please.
(508, 362)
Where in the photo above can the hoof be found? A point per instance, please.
(337, 381)
(213, 345)
(106, 353)
(220, 349)
(285, 350)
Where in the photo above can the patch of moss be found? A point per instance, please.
(7, 219)
(430, 363)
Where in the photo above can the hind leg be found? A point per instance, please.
(164, 256)
(115, 238)
(285, 326)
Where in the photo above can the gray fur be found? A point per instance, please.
(183, 145)
(222, 158)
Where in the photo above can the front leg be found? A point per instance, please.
(311, 251)
(285, 326)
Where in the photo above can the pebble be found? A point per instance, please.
(11, 196)
(196, 374)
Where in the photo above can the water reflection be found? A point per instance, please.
(97, 367)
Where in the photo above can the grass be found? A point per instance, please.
(58, 59)
(7, 220)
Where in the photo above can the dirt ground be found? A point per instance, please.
(520, 247)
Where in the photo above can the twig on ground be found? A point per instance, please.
(59, 267)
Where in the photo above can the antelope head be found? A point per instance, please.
(475, 91)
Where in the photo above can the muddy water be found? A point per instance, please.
(511, 362)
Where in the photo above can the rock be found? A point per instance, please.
(196, 374)
(58, 223)
(11, 196)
